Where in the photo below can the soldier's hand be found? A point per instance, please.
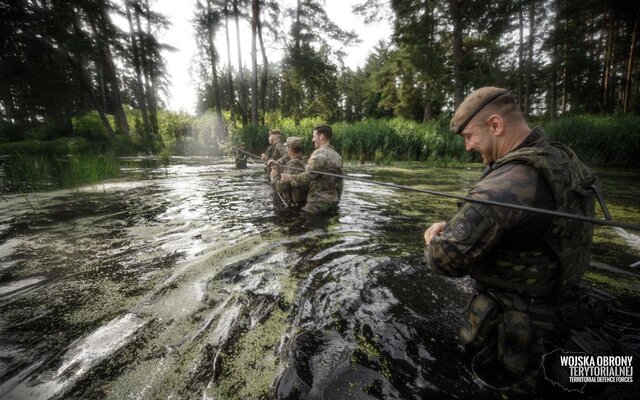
(284, 178)
(263, 157)
(274, 172)
(433, 231)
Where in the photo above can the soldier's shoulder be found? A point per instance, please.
(296, 162)
(511, 179)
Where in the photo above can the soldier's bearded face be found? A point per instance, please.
(478, 138)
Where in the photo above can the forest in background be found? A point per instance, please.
(72, 78)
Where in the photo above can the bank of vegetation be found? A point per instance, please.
(75, 82)
(598, 139)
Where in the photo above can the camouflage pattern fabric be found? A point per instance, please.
(241, 160)
(276, 151)
(514, 311)
(324, 191)
(292, 195)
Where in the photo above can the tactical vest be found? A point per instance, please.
(510, 280)
(552, 269)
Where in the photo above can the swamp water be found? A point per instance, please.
(194, 282)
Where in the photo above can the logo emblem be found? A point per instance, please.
(462, 230)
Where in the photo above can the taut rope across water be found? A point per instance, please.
(595, 221)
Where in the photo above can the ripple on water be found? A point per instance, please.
(230, 283)
(76, 361)
(11, 288)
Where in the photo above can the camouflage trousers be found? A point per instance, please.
(508, 337)
(316, 207)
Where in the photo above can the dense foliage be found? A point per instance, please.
(599, 140)
(103, 83)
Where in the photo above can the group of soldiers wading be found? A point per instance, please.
(526, 265)
(303, 185)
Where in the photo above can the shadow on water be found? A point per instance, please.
(194, 281)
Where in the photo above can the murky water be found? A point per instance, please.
(194, 282)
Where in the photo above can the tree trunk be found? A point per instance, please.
(138, 87)
(219, 128)
(85, 82)
(529, 74)
(232, 93)
(296, 95)
(627, 84)
(77, 66)
(428, 109)
(149, 75)
(109, 71)
(565, 70)
(265, 72)
(520, 55)
(458, 52)
(606, 78)
(243, 89)
(255, 11)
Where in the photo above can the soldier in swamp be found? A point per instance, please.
(294, 196)
(324, 191)
(240, 157)
(526, 265)
(276, 150)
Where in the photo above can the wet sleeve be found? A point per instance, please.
(278, 185)
(304, 179)
(467, 237)
(476, 228)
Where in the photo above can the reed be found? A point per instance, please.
(27, 174)
(599, 139)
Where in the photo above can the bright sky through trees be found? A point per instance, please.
(182, 95)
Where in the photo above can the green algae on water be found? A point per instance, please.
(250, 366)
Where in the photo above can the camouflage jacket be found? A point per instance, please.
(521, 261)
(275, 152)
(324, 191)
(241, 160)
(293, 195)
(513, 250)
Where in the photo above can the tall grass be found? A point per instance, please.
(26, 174)
(379, 140)
(598, 140)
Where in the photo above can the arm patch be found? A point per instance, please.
(469, 225)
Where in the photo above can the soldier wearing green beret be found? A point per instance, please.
(525, 264)
(324, 190)
(294, 196)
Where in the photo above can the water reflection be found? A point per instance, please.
(193, 281)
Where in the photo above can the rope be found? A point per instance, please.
(595, 221)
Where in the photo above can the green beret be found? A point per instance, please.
(475, 102)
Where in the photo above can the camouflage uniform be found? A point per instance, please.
(324, 191)
(522, 262)
(293, 195)
(276, 151)
(241, 160)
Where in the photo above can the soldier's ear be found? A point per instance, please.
(496, 124)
